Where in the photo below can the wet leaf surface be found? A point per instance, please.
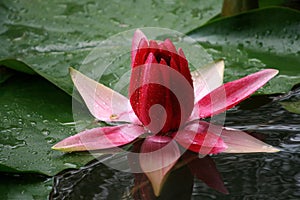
(24, 186)
(66, 31)
(264, 38)
(32, 112)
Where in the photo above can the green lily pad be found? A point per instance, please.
(32, 114)
(17, 65)
(266, 3)
(52, 36)
(27, 186)
(264, 38)
(5, 74)
(293, 107)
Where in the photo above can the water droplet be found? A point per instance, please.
(5, 120)
(45, 132)
(20, 121)
(32, 123)
(71, 165)
(284, 30)
(50, 140)
(260, 44)
(268, 32)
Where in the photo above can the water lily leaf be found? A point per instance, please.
(266, 3)
(67, 31)
(5, 74)
(17, 65)
(264, 38)
(293, 106)
(31, 122)
(27, 186)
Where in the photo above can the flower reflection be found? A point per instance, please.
(178, 184)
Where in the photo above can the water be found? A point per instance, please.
(246, 176)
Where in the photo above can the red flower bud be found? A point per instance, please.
(161, 87)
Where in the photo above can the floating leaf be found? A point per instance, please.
(68, 31)
(264, 38)
(293, 106)
(31, 122)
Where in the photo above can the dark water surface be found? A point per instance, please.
(246, 176)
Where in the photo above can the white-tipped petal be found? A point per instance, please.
(104, 103)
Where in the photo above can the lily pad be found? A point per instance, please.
(264, 38)
(32, 118)
(52, 36)
(17, 65)
(5, 74)
(26, 186)
(293, 107)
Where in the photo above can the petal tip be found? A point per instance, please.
(157, 188)
(66, 145)
(271, 149)
(54, 147)
(137, 37)
(275, 71)
(140, 33)
(73, 72)
(58, 147)
(271, 72)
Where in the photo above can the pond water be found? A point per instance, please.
(246, 176)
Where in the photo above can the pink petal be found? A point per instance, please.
(238, 141)
(104, 103)
(241, 142)
(158, 155)
(207, 78)
(205, 170)
(170, 46)
(137, 37)
(232, 93)
(198, 138)
(100, 138)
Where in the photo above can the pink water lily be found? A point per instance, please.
(166, 105)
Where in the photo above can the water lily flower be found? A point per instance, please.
(166, 106)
